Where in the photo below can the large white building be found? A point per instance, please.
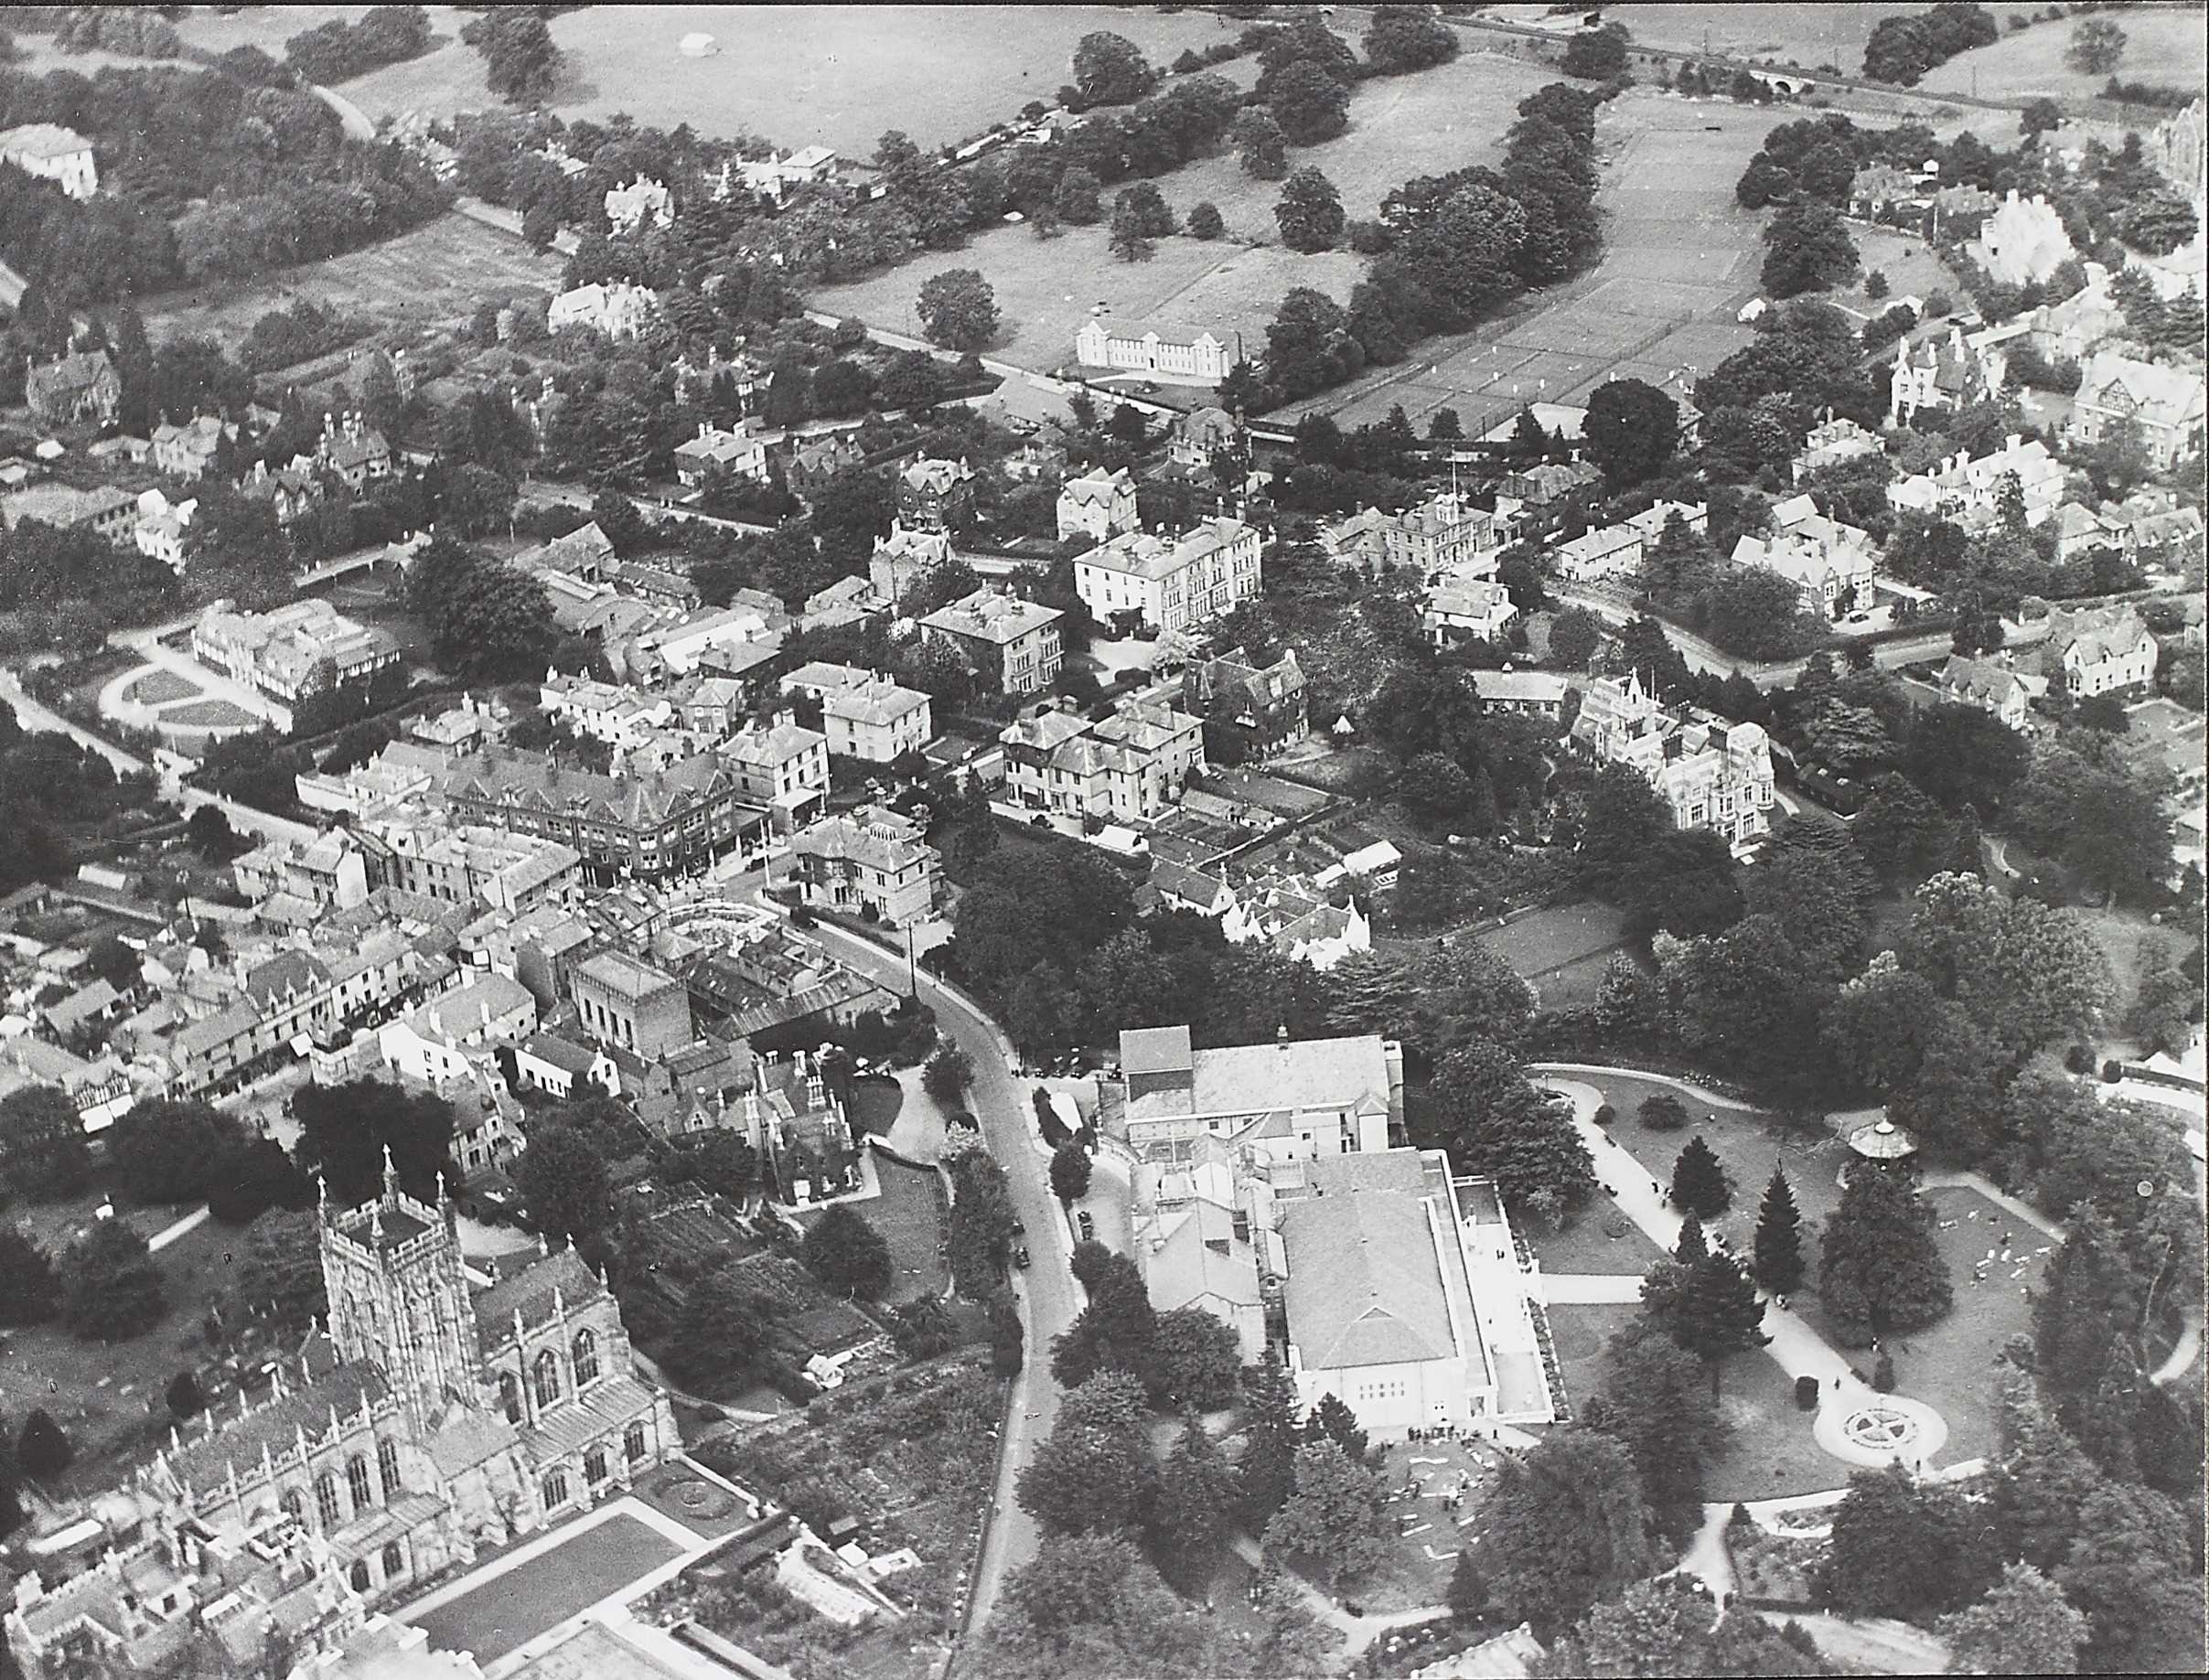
(51, 153)
(1292, 1100)
(1203, 361)
(1175, 583)
(292, 654)
(1969, 492)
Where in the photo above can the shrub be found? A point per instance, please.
(1882, 1373)
(1741, 1517)
(1806, 1393)
(2113, 1070)
(1606, 1114)
(1663, 1112)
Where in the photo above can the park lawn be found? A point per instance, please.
(1582, 1337)
(1417, 1571)
(1747, 1143)
(1773, 1453)
(840, 76)
(212, 715)
(1556, 938)
(2121, 933)
(2164, 47)
(158, 685)
(1954, 1366)
(106, 1397)
(1587, 1248)
(434, 274)
(910, 1214)
(513, 1610)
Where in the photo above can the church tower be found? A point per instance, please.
(399, 1297)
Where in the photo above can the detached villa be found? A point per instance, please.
(1714, 774)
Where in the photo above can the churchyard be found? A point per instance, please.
(108, 1396)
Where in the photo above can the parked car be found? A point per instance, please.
(1088, 1226)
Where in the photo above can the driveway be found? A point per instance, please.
(1047, 1292)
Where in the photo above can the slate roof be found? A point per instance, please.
(275, 1423)
(1364, 1286)
(529, 1292)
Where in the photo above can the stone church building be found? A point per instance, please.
(430, 1419)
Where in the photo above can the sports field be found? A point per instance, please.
(435, 275)
(1680, 260)
(2166, 48)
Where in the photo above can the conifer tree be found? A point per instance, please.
(1779, 1237)
(1879, 1267)
(1482, 813)
(1698, 1180)
(1718, 1313)
(1693, 1246)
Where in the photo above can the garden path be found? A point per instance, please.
(1798, 1350)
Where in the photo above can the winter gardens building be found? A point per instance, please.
(430, 1421)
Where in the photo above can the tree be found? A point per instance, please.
(110, 1287)
(1337, 1518)
(1700, 1182)
(1309, 213)
(1308, 104)
(1110, 69)
(847, 1253)
(2134, 1574)
(958, 309)
(1779, 1265)
(1070, 1172)
(1094, 1472)
(1090, 1606)
(2025, 974)
(1196, 1498)
(43, 1153)
(1267, 1469)
(561, 1179)
(1129, 242)
(1903, 1548)
(345, 1130)
(1259, 144)
(1143, 208)
(42, 1450)
(1879, 1269)
(947, 1075)
(1597, 55)
(1664, 1627)
(1630, 430)
(1401, 38)
(29, 1292)
(1492, 1120)
(1657, 1399)
(1808, 250)
(1566, 1527)
(724, 1332)
(1205, 222)
(1693, 1243)
(521, 61)
(1717, 1313)
(1077, 198)
(164, 1151)
(2023, 1626)
(182, 1396)
(1901, 832)
(1332, 1421)
(1195, 1359)
(280, 1268)
(2098, 46)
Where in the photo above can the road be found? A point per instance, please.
(1048, 1296)
(242, 817)
(1705, 656)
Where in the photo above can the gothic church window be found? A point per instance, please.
(547, 1377)
(326, 1499)
(510, 1395)
(555, 1489)
(586, 1358)
(394, 1562)
(386, 1469)
(360, 1576)
(357, 1483)
(634, 1443)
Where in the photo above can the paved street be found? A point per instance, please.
(1049, 1297)
(242, 817)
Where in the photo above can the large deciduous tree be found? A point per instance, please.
(1566, 1527)
(43, 1153)
(1905, 1548)
(847, 1253)
(111, 1287)
(1309, 213)
(958, 309)
(1337, 1518)
(1110, 69)
(2025, 1625)
(1094, 1473)
(1630, 430)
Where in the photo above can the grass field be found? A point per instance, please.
(156, 686)
(1911, 266)
(433, 275)
(1679, 258)
(1563, 951)
(1586, 1246)
(211, 714)
(516, 1607)
(2164, 47)
(1403, 126)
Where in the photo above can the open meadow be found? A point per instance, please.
(2163, 48)
(434, 275)
(1807, 36)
